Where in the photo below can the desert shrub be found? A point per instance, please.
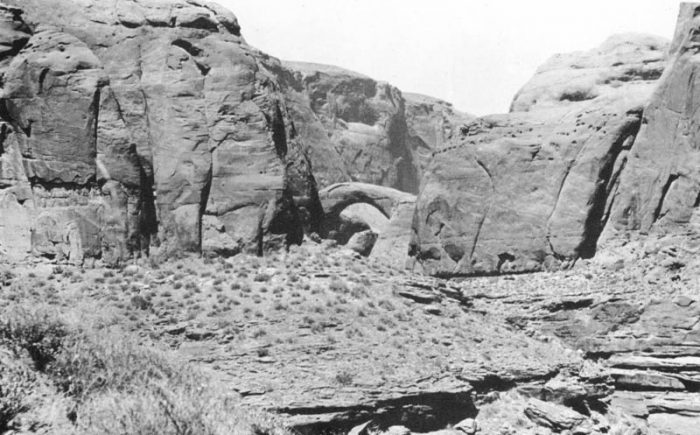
(38, 331)
(262, 277)
(117, 384)
(96, 361)
(344, 377)
(16, 384)
(183, 403)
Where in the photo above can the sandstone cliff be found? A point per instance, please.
(531, 189)
(359, 129)
(659, 190)
(127, 124)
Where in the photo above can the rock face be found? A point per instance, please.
(128, 124)
(566, 79)
(360, 119)
(431, 124)
(532, 189)
(358, 129)
(660, 187)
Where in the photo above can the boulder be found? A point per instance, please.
(550, 415)
(362, 242)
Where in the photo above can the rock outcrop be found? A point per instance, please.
(129, 124)
(660, 187)
(431, 124)
(359, 129)
(355, 126)
(532, 189)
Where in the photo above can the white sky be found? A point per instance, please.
(475, 54)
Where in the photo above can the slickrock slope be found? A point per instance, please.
(531, 189)
(572, 77)
(129, 123)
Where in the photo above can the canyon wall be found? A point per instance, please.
(532, 189)
(128, 127)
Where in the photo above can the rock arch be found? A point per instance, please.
(395, 205)
(337, 197)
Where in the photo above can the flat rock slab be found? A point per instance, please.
(553, 416)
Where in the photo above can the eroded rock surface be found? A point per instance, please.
(531, 189)
(359, 129)
(128, 124)
(659, 188)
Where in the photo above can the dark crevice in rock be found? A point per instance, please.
(486, 212)
(130, 25)
(191, 49)
(4, 133)
(420, 413)
(279, 132)
(202, 23)
(614, 184)
(503, 258)
(203, 69)
(204, 199)
(27, 129)
(598, 213)
(90, 183)
(664, 191)
(312, 204)
(42, 78)
(476, 274)
(406, 168)
(148, 221)
(195, 52)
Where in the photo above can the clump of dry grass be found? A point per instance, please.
(115, 383)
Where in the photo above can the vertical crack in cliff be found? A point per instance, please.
(3, 137)
(597, 214)
(203, 200)
(407, 173)
(488, 208)
(92, 123)
(548, 237)
(664, 191)
(614, 184)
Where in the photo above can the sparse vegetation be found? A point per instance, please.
(115, 384)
